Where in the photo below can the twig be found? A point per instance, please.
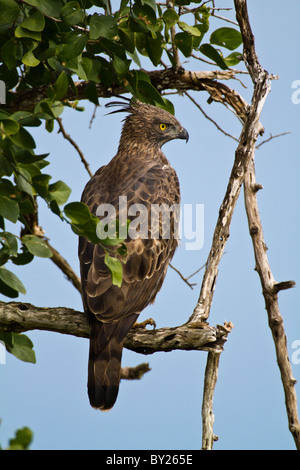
(64, 266)
(209, 118)
(72, 142)
(185, 279)
(224, 19)
(272, 137)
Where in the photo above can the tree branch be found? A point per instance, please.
(20, 317)
(210, 380)
(270, 290)
(72, 142)
(169, 78)
(270, 287)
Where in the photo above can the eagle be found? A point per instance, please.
(141, 173)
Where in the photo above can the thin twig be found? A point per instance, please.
(185, 279)
(64, 266)
(72, 142)
(272, 137)
(209, 118)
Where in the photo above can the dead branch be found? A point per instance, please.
(270, 290)
(72, 142)
(210, 380)
(20, 317)
(270, 287)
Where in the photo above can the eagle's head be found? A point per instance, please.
(149, 124)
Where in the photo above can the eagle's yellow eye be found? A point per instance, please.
(163, 127)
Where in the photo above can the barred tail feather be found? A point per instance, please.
(104, 369)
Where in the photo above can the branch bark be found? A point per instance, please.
(269, 286)
(20, 317)
(210, 381)
(270, 290)
(169, 78)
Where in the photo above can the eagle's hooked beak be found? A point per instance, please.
(183, 134)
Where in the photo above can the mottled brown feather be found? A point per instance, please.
(141, 172)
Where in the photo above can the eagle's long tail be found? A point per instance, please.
(104, 369)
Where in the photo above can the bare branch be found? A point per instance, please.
(270, 291)
(64, 266)
(210, 381)
(245, 149)
(270, 287)
(20, 317)
(72, 142)
(272, 137)
(185, 279)
(209, 118)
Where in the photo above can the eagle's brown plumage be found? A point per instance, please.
(142, 173)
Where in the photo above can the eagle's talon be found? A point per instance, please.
(144, 323)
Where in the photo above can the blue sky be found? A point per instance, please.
(163, 410)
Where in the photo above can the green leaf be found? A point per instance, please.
(72, 13)
(233, 59)
(11, 280)
(212, 53)
(121, 66)
(48, 8)
(184, 42)
(90, 92)
(22, 258)
(189, 29)
(25, 118)
(9, 209)
(23, 180)
(21, 32)
(58, 90)
(37, 246)
(74, 48)
(59, 192)
(154, 49)
(9, 12)
(145, 16)
(116, 269)
(11, 51)
(9, 126)
(78, 212)
(20, 346)
(170, 17)
(226, 37)
(22, 439)
(103, 26)
(34, 22)
(30, 60)
(11, 243)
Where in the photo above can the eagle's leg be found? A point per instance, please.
(144, 323)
